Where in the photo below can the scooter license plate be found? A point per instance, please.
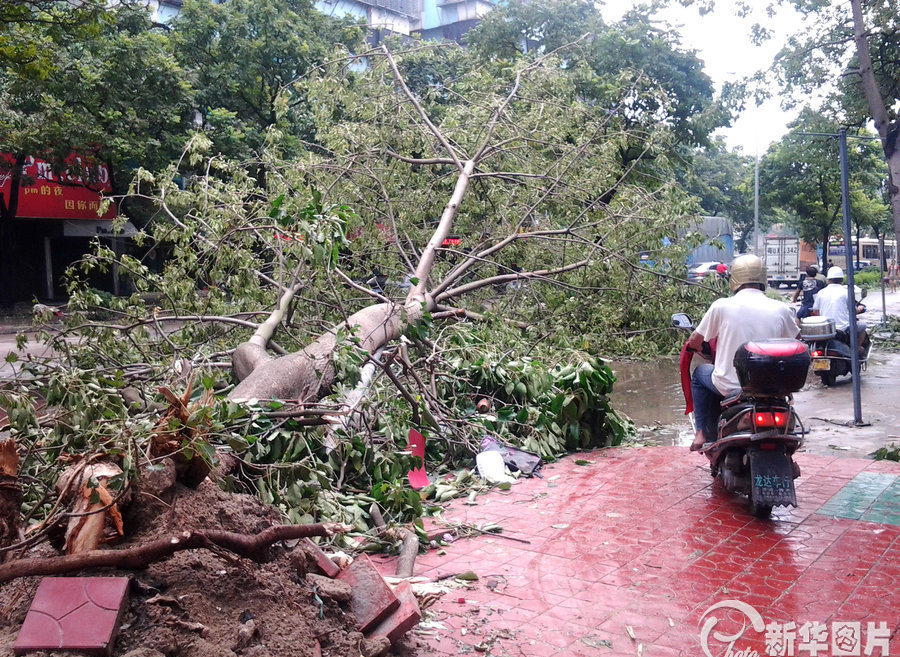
(821, 364)
(772, 480)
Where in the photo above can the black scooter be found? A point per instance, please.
(830, 349)
(758, 430)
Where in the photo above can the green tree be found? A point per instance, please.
(101, 84)
(29, 31)
(723, 181)
(665, 82)
(800, 177)
(516, 167)
(855, 43)
(247, 61)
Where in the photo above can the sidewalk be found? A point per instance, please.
(641, 541)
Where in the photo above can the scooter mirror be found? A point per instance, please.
(682, 321)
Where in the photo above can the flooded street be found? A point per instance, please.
(650, 394)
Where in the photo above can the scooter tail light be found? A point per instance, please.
(768, 446)
(771, 419)
(764, 420)
(818, 353)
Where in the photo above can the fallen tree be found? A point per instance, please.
(496, 197)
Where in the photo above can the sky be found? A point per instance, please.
(722, 41)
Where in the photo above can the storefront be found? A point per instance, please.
(55, 217)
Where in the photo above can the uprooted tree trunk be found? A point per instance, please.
(85, 487)
(306, 375)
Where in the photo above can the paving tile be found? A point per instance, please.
(325, 564)
(642, 552)
(74, 613)
(856, 497)
(402, 619)
(372, 599)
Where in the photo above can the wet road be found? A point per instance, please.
(650, 394)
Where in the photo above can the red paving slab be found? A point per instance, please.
(74, 613)
(643, 541)
(395, 626)
(325, 564)
(372, 599)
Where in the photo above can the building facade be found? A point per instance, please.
(429, 19)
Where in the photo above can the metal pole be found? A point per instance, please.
(48, 267)
(756, 205)
(881, 267)
(851, 297)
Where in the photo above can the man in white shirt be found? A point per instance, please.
(832, 302)
(732, 321)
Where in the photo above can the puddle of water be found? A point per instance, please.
(650, 394)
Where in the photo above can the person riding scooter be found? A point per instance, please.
(807, 291)
(833, 302)
(733, 321)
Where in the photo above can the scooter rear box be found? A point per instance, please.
(772, 367)
(817, 328)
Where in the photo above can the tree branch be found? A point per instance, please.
(433, 128)
(251, 546)
(506, 278)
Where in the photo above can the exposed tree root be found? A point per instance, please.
(251, 546)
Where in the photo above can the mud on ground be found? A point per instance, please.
(217, 590)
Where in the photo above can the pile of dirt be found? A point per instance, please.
(209, 603)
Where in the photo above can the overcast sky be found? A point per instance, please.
(722, 41)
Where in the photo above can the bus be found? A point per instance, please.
(869, 251)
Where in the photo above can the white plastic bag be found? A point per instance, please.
(491, 467)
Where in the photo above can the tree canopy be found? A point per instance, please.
(667, 81)
(801, 179)
(723, 181)
(849, 52)
(247, 61)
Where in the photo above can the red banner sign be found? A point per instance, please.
(44, 194)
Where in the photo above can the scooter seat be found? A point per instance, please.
(730, 401)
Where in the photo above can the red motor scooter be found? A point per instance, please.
(758, 430)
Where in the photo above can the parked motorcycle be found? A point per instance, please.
(830, 348)
(758, 430)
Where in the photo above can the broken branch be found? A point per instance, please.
(250, 546)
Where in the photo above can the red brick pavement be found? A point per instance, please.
(643, 539)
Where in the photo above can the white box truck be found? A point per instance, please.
(783, 260)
